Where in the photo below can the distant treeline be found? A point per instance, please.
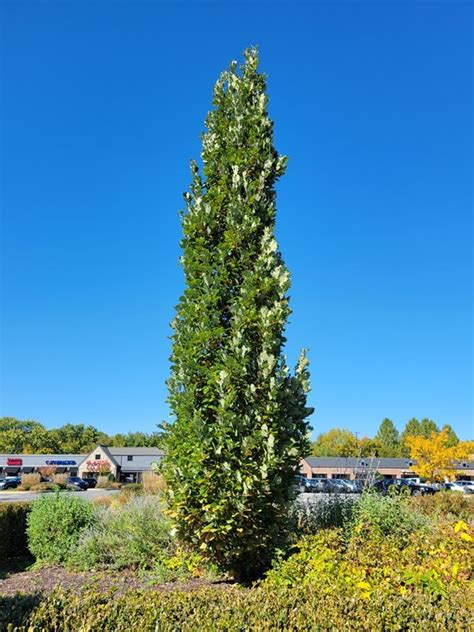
(388, 442)
(31, 437)
(26, 436)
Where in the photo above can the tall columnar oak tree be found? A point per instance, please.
(240, 418)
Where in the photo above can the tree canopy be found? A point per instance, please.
(31, 437)
(436, 456)
(239, 426)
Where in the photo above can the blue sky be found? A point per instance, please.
(103, 106)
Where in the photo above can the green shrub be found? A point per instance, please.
(13, 541)
(54, 525)
(436, 561)
(236, 609)
(15, 610)
(444, 505)
(134, 534)
(387, 515)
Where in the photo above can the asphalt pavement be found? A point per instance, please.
(90, 494)
(13, 496)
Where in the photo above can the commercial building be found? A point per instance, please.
(126, 464)
(351, 467)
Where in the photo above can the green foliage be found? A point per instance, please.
(240, 418)
(444, 505)
(55, 523)
(17, 437)
(386, 515)
(134, 534)
(237, 609)
(13, 542)
(369, 564)
(336, 442)
(427, 427)
(452, 436)
(389, 439)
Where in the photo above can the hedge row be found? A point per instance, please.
(236, 609)
(13, 542)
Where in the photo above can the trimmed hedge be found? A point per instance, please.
(238, 609)
(13, 542)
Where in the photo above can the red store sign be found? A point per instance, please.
(14, 461)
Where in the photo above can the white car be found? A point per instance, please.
(466, 487)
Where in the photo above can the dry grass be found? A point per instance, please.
(153, 483)
(28, 480)
(60, 478)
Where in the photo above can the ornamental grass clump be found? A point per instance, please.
(131, 535)
(240, 417)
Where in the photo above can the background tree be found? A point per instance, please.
(452, 438)
(336, 442)
(435, 458)
(388, 438)
(412, 429)
(428, 427)
(31, 437)
(369, 447)
(240, 418)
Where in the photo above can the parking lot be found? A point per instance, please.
(90, 494)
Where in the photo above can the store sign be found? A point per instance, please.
(60, 462)
(13, 461)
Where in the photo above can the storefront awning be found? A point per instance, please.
(61, 470)
(27, 470)
(12, 471)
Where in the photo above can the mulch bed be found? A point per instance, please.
(44, 580)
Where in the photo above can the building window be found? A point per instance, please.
(129, 458)
(97, 457)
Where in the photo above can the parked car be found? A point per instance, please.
(305, 485)
(356, 486)
(402, 485)
(465, 487)
(340, 485)
(91, 482)
(10, 482)
(77, 482)
(324, 485)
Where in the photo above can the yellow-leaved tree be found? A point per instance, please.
(435, 457)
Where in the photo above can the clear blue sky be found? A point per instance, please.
(103, 105)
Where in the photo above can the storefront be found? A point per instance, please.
(125, 464)
(18, 464)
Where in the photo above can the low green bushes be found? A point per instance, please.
(444, 505)
(386, 515)
(13, 541)
(238, 609)
(134, 534)
(54, 524)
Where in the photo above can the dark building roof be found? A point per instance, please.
(135, 451)
(377, 462)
